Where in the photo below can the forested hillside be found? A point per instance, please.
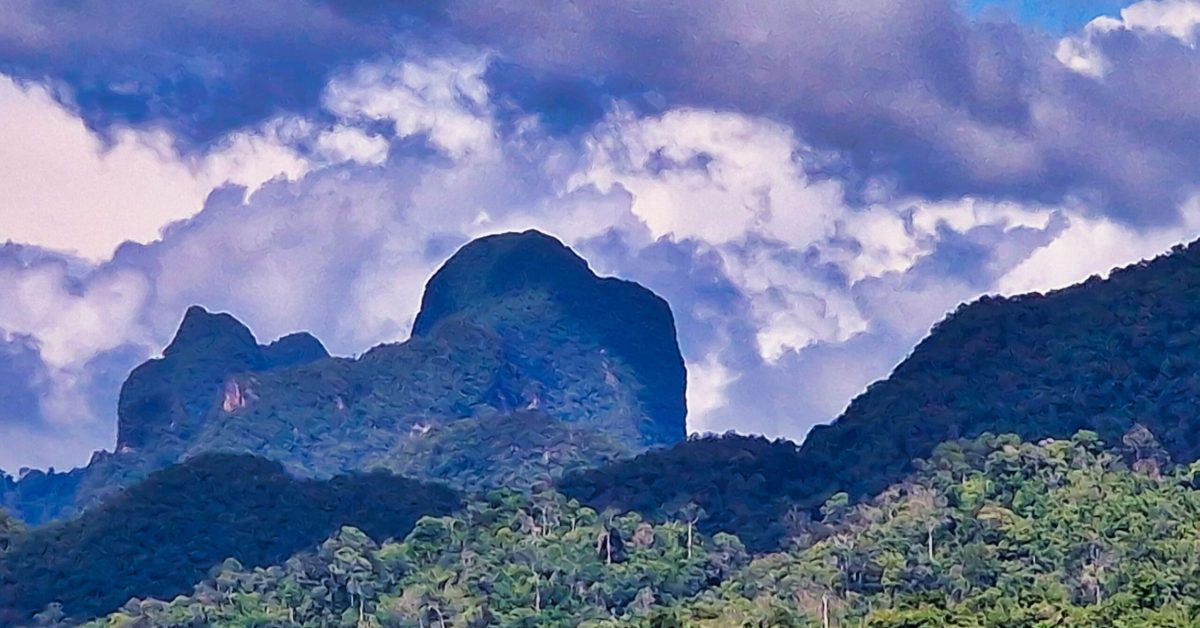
(1083, 515)
(993, 532)
(165, 533)
(745, 485)
(1102, 355)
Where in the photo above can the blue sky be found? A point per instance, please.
(811, 184)
(1058, 17)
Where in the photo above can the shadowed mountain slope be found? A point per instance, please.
(1113, 356)
(166, 532)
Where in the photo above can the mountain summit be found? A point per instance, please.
(170, 396)
(628, 321)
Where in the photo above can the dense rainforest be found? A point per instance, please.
(538, 410)
(164, 534)
(1103, 355)
(990, 532)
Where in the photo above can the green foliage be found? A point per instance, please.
(994, 532)
(745, 485)
(523, 450)
(510, 559)
(41, 495)
(11, 531)
(635, 326)
(162, 535)
(1109, 356)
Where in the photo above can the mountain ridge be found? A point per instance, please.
(208, 347)
(1115, 356)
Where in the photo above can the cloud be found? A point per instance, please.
(444, 99)
(914, 95)
(66, 188)
(1084, 52)
(811, 186)
(201, 68)
(1093, 246)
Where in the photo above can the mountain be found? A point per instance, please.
(1105, 355)
(993, 532)
(506, 282)
(1109, 355)
(165, 533)
(905, 511)
(516, 337)
(164, 402)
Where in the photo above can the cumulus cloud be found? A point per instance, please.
(66, 188)
(1093, 246)
(914, 92)
(1084, 52)
(443, 99)
(811, 186)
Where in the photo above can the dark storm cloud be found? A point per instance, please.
(201, 67)
(911, 93)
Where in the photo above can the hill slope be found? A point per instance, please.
(992, 533)
(1105, 355)
(165, 533)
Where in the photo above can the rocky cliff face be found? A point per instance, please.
(166, 399)
(513, 323)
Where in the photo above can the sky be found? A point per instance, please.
(1058, 18)
(810, 184)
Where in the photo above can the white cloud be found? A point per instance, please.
(721, 178)
(1094, 246)
(444, 99)
(345, 143)
(826, 295)
(1173, 18)
(63, 188)
(711, 176)
(71, 326)
(706, 382)
(1177, 18)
